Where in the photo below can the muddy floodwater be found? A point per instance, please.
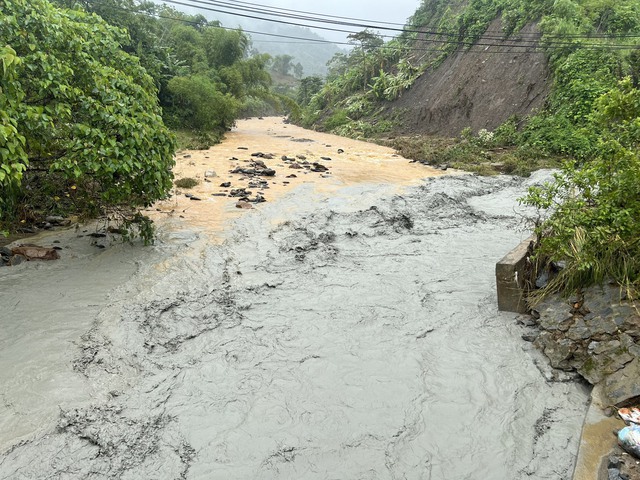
(346, 328)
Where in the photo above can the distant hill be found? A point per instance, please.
(312, 56)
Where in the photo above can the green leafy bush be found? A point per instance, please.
(197, 103)
(594, 207)
(87, 111)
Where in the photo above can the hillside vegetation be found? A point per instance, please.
(88, 92)
(584, 119)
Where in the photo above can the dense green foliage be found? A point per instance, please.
(81, 124)
(87, 89)
(595, 206)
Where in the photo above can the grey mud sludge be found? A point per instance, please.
(357, 338)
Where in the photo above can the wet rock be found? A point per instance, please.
(17, 260)
(34, 252)
(317, 167)
(266, 172)
(559, 351)
(239, 192)
(57, 220)
(261, 184)
(243, 204)
(623, 387)
(257, 199)
(5, 252)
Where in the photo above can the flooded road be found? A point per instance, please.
(345, 329)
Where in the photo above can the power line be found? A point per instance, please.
(499, 34)
(207, 5)
(381, 47)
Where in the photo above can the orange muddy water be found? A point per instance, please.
(351, 162)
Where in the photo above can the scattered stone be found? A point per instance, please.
(529, 337)
(340, 150)
(243, 148)
(328, 159)
(239, 192)
(257, 199)
(210, 174)
(293, 175)
(57, 220)
(193, 197)
(259, 184)
(595, 334)
(301, 157)
(225, 184)
(244, 205)
(5, 252)
(623, 387)
(444, 167)
(35, 252)
(186, 156)
(267, 172)
(17, 260)
(295, 166)
(317, 167)
(219, 195)
(97, 235)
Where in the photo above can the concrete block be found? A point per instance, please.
(512, 278)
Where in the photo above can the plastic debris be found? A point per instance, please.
(630, 415)
(629, 439)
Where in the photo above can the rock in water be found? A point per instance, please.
(244, 205)
(318, 167)
(34, 252)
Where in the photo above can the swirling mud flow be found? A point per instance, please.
(344, 335)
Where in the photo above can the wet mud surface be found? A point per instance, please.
(345, 336)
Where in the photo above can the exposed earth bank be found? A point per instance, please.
(479, 87)
(339, 330)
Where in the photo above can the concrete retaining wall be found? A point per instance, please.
(512, 278)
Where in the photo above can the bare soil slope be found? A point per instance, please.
(478, 88)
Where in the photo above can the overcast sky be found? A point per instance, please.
(395, 11)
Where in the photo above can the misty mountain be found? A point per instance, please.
(313, 56)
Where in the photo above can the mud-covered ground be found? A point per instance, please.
(350, 335)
